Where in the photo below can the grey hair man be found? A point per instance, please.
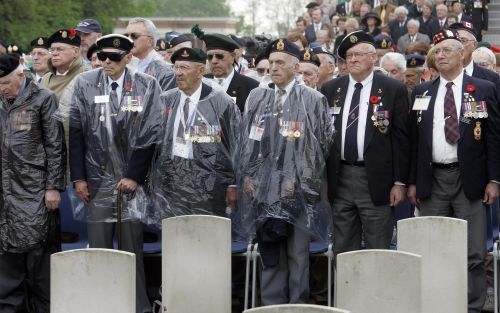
(395, 64)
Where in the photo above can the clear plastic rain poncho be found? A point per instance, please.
(162, 71)
(103, 130)
(281, 161)
(193, 167)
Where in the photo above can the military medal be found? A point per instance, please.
(101, 117)
(477, 131)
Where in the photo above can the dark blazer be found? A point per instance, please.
(429, 27)
(413, 12)
(466, 18)
(240, 88)
(478, 159)
(386, 155)
(486, 74)
(396, 31)
(310, 34)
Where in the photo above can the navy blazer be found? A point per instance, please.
(478, 158)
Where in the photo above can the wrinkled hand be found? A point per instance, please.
(52, 199)
(412, 194)
(82, 191)
(231, 197)
(126, 185)
(490, 193)
(248, 186)
(397, 195)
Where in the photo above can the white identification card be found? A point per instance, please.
(182, 148)
(101, 99)
(334, 110)
(256, 133)
(478, 4)
(421, 103)
(234, 99)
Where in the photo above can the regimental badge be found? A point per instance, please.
(40, 41)
(353, 39)
(383, 44)
(9, 49)
(449, 33)
(162, 45)
(280, 45)
(307, 56)
(413, 62)
(477, 131)
(64, 34)
(15, 48)
(185, 54)
(116, 43)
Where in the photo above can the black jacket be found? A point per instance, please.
(239, 88)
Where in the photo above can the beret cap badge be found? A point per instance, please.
(384, 44)
(40, 41)
(185, 54)
(162, 45)
(413, 62)
(280, 45)
(354, 39)
(307, 56)
(64, 34)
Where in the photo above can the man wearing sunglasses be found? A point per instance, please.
(143, 33)
(221, 60)
(106, 107)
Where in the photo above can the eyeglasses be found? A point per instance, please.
(218, 56)
(38, 53)
(465, 40)
(112, 56)
(445, 51)
(135, 36)
(262, 70)
(58, 49)
(358, 55)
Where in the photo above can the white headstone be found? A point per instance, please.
(381, 281)
(295, 308)
(442, 242)
(92, 280)
(196, 264)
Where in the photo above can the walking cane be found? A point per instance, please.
(119, 219)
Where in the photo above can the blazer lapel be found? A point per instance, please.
(428, 115)
(340, 94)
(461, 126)
(368, 123)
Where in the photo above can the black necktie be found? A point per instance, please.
(351, 131)
(114, 95)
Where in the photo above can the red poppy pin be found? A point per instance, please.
(127, 86)
(470, 88)
(72, 33)
(374, 99)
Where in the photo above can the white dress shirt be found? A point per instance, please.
(442, 151)
(469, 68)
(363, 112)
(225, 81)
(288, 90)
(193, 103)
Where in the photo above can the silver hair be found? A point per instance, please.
(395, 57)
(353, 22)
(148, 24)
(485, 51)
(401, 10)
(414, 22)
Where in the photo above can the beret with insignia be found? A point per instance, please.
(467, 26)
(93, 48)
(8, 63)
(284, 45)
(414, 60)
(67, 36)
(189, 54)
(15, 49)
(445, 34)
(40, 42)
(215, 41)
(161, 45)
(354, 39)
(115, 41)
(172, 39)
(383, 42)
(322, 50)
(307, 56)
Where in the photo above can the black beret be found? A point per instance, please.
(456, 1)
(172, 39)
(467, 26)
(8, 63)
(321, 50)
(284, 45)
(373, 15)
(93, 48)
(261, 56)
(383, 42)
(189, 54)
(354, 39)
(307, 56)
(115, 41)
(67, 36)
(15, 49)
(312, 5)
(445, 34)
(161, 45)
(414, 60)
(40, 42)
(220, 42)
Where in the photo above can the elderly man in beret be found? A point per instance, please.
(106, 107)
(65, 63)
(32, 172)
(309, 64)
(414, 71)
(371, 155)
(173, 42)
(455, 169)
(41, 57)
(286, 135)
(327, 65)
(142, 32)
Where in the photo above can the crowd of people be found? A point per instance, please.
(316, 136)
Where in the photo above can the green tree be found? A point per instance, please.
(193, 8)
